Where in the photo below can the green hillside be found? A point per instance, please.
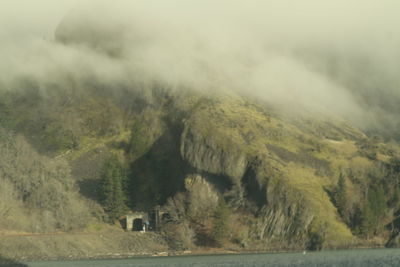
(231, 171)
(277, 174)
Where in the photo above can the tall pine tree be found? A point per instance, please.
(112, 190)
(366, 224)
(378, 206)
(341, 197)
(374, 211)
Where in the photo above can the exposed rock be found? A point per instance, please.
(205, 154)
(286, 217)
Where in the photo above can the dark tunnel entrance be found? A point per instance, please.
(137, 225)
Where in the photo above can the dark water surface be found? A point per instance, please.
(350, 258)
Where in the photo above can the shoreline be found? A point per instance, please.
(186, 253)
(28, 247)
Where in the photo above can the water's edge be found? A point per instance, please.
(205, 253)
(355, 257)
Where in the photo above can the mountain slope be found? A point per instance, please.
(228, 169)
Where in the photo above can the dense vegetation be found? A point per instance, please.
(112, 188)
(228, 169)
(37, 193)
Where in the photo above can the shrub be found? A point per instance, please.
(221, 227)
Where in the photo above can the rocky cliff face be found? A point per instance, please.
(241, 150)
(205, 154)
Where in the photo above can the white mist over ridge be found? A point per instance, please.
(340, 57)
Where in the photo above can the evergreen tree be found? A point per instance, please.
(341, 196)
(366, 226)
(356, 218)
(377, 200)
(374, 211)
(112, 194)
(221, 222)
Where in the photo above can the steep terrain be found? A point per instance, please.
(229, 169)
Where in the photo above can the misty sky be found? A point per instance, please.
(26, 18)
(340, 56)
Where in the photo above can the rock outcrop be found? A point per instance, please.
(205, 154)
(283, 190)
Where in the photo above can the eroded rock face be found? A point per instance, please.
(284, 213)
(203, 153)
(285, 218)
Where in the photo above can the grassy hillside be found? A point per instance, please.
(279, 171)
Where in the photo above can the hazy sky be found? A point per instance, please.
(24, 18)
(340, 56)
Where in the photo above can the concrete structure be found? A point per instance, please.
(136, 221)
(143, 221)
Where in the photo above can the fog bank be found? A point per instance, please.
(338, 57)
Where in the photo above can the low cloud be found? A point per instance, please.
(338, 57)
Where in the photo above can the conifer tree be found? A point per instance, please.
(341, 196)
(112, 194)
(378, 206)
(366, 225)
(374, 211)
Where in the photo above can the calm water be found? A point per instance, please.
(355, 258)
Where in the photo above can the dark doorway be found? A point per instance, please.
(137, 225)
